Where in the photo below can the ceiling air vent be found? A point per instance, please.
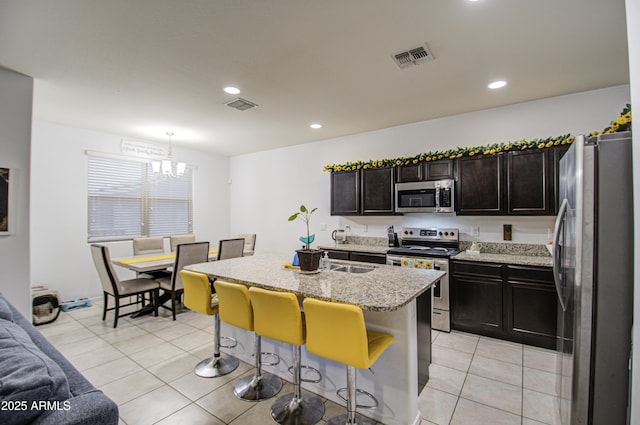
(241, 104)
(412, 57)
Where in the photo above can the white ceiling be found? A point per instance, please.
(140, 68)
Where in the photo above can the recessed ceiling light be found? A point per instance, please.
(497, 84)
(316, 126)
(232, 90)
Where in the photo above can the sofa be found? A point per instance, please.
(38, 385)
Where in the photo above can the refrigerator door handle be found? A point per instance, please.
(557, 251)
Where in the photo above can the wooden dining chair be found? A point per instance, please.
(188, 253)
(230, 248)
(118, 289)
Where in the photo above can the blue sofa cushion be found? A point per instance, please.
(27, 375)
(5, 311)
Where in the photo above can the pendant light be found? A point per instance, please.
(166, 165)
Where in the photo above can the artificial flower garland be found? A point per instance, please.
(622, 123)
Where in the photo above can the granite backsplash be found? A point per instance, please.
(367, 240)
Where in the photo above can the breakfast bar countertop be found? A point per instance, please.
(385, 288)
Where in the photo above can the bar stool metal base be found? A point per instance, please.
(344, 420)
(352, 418)
(255, 388)
(214, 367)
(290, 410)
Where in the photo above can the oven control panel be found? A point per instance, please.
(433, 234)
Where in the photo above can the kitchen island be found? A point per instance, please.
(389, 297)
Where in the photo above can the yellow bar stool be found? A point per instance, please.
(198, 297)
(337, 332)
(278, 316)
(236, 310)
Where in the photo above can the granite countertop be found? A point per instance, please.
(492, 252)
(374, 249)
(385, 288)
(507, 253)
(523, 260)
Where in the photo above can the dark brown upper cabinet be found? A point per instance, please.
(480, 187)
(433, 170)
(529, 183)
(378, 190)
(345, 193)
(557, 154)
(511, 183)
(363, 192)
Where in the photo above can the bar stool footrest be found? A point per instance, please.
(312, 369)
(263, 354)
(358, 391)
(232, 344)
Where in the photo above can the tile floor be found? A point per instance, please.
(479, 380)
(146, 366)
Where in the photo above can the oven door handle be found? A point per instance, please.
(394, 261)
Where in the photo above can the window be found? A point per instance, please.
(127, 199)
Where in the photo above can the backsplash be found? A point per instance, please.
(367, 240)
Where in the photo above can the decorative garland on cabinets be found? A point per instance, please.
(622, 123)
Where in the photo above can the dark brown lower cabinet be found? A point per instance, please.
(514, 303)
(531, 301)
(366, 257)
(338, 254)
(476, 298)
(423, 333)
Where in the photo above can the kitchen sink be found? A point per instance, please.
(348, 268)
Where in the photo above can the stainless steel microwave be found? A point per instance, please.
(425, 197)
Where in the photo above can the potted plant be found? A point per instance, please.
(309, 258)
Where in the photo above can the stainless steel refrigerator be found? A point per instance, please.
(593, 271)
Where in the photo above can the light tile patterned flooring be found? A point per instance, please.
(146, 366)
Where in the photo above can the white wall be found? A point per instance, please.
(267, 187)
(60, 256)
(633, 37)
(16, 95)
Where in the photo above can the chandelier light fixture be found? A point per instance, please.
(166, 166)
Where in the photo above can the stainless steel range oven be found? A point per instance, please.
(429, 249)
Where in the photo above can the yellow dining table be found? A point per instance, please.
(152, 262)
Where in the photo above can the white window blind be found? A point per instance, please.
(126, 199)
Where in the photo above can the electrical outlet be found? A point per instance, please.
(323, 227)
(365, 228)
(475, 231)
(506, 232)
